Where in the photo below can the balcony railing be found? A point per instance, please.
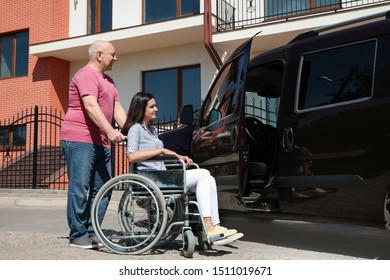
(235, 14)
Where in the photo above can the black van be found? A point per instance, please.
(302, 129)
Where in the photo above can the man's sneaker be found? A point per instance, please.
(96, 240)
(229, 240)
(220, 233)
(84, 243)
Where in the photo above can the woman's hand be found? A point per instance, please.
(186, 159)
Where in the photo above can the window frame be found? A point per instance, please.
(96, 18)
(312, 9)
(179, 81)
(341, 103)
(214, 101)
(178, 12)
(14, 58)
(11, 130)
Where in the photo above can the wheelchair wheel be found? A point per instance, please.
(188, 244)
(135, 223)
(175, 208)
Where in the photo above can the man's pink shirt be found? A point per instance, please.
(77, 126)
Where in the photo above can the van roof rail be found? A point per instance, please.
(315, 32)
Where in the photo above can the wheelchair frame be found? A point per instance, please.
(147, 214)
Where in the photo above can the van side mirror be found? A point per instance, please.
(187, 114)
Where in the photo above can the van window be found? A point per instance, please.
(335, 76)
(263, 89)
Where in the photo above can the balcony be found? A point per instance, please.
(236, 14)
(280, 21)
(235, 20)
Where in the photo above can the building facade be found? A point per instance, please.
(171, 48)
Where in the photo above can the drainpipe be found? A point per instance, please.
(208, 35)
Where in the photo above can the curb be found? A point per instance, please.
(28, 197)
(39, 202)
(38, 198)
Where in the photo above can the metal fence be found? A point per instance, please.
(30, 154)
(236, 14)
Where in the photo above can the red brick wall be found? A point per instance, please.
(48, 79)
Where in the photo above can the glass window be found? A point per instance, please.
(190, 7)
(173, 88)
(14, 55)
(21, 54)
(156, 10)
(163, 85)
(4, 136)
(99, 16)
(6, 56)
(336, 75)
(19, 136)
(223, 98)
(325, 3)
(263, 91)
(191, 87)
(13, 136)
(280, 8)
(105, 15)
(91, 16)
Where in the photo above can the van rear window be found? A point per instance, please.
(336, 76)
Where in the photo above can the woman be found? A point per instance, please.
(143, 143)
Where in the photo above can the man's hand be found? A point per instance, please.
(115, 136)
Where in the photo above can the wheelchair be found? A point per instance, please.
(149, 209)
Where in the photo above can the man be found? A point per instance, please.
(85, 138)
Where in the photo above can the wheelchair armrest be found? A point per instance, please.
(169, 161)
(163, 158)
(172, 161)
(173, 165)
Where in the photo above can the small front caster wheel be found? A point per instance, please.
(188, 244)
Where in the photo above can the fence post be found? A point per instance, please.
(35, 153)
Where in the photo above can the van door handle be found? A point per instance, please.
(288, 139)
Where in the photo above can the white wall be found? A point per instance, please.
(126, 13)
(127, 71)
(77, 18)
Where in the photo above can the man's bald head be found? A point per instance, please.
(98, 46)
(102, 55)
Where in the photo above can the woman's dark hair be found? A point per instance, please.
(136, 111)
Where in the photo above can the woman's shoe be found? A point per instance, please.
(220, 233)
(228, 240)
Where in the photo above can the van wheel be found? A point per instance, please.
(387, 210)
